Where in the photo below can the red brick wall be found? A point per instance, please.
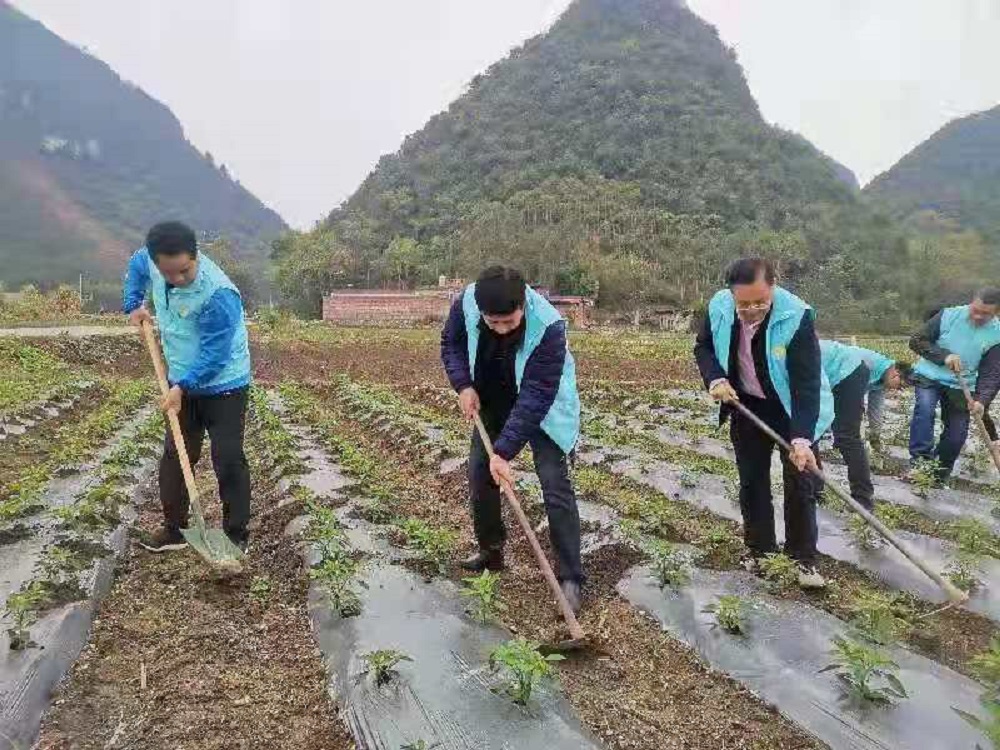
(379, 307)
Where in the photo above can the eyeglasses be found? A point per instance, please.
(752, 307)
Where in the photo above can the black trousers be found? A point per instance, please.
(848, 408)
(223, 416)
(753, 460)
(552, 466)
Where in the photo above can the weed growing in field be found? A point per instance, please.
(728, 611)
(671, 566)
(881, 618)
(260, 589)
(717, 536)
(434, 544)
(382, 664)
(336, 576)
(986, 666)
(780, 570)
(857, 665)
(484, 591)
(23, 607)
(524, 665)
(974, 537)
(963, 571)
(324, 530)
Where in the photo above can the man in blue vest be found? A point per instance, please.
(758, 346)
(955, 340)
(505, 353)
(854, 373)
(204, 337)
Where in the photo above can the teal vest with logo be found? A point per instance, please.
(839, 360)
(786, 314)
(562, 423)
(959, 336)
(177, 310)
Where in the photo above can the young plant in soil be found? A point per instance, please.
(382, 664)
(779, 570)
(484, 591)
(858, 665)
(671, 566)
(23, 608)
(260, 589)
(728, 611)
(336, 575)
(523, 665)
(974, 537)
(924, 477)
(434, 544)
(963, 571)
(881, 618)
(986, 666)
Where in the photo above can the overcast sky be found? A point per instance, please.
(300, 97)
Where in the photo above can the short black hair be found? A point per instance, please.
(748, 270)
(171, 238)
(988, 295)
(500, 290)
(905, 370)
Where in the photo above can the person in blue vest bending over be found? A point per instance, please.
(955, 340)
(884, 374)
(758, 346)
(854, 373)
(204, 337)
(505, 353)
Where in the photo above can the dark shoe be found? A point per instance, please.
(571, 590)
(489, 559)
(163, 540)
(241, 541)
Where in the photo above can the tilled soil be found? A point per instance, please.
(638, 689)
(222, 668)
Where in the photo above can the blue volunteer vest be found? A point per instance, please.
(839, 360)
(177, 310)
(959, 336)
(562, 423)
(877, 363)
(786, 314)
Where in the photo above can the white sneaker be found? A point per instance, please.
(809, 578)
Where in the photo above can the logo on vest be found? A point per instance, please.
(183, 311)
(779, 352)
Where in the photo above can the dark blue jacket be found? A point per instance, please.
(539, 386)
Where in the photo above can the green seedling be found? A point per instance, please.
(419, 745)
(336, 575)
(963, 571)
(728, 611)
(864, 536)
(524, 666)
(974, 537)
(22, 608)
(780, 570)
(990, 726)
(434, 544)
(717, 536)
(881, 618)
(986, 666)
(924, 476)
(858, 665)
(382, 664)
(671, 566)
(260, 589)
(484, 591)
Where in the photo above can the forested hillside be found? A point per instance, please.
(619, 154)
(955, 174)
(88, 162)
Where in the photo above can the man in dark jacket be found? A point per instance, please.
(758, 346)
(504, 350)
(956, 340)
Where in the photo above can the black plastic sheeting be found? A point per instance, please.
(447, 694)
(28, 677)
(779, 658)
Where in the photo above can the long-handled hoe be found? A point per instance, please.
(578, 639)
(954, 594)
(980, 424)
(211, 544)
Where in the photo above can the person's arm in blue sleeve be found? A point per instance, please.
(539, 386)
(136, 280)
(217, 324)
(455, 348)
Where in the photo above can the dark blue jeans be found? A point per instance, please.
(955, 419)
(552, 466)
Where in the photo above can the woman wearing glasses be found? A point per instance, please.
(758, 345)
